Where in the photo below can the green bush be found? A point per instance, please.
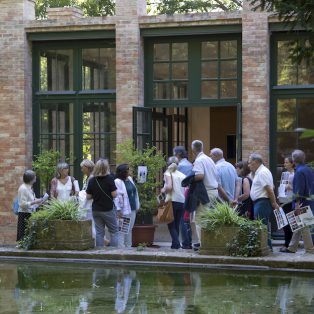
(154, 161)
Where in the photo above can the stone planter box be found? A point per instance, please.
(214, 243)
(65, 235)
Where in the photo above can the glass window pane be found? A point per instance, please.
(228, 49)
(161, 52)
(210, 50)
(210, 69)
(286, 143)
(307, 144)
(57, 128)
(99, 129)
(161, 90)
(228, 89)
(286, 71)
(56, 70)
(179, 51)
(179, 90)
(98, 69)
(179, 71)
(228, 69)
(286, 114)
(306, 73)
(210, 89)
(161, 71)
(306, 114)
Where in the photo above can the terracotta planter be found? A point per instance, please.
(214, 243)
(143, 234)
(65, 235)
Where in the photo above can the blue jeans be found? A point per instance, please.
(103, 219)
(263, 210)
(174, 226)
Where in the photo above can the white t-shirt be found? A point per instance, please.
(262, 178)
(205, 165)
(177, 194)
(64, 190)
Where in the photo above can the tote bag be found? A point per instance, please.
(165, 213)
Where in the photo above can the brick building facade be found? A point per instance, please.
(71, 82)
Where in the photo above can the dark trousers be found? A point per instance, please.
(21, 225)
(186, 233)
(287, 208)
(174, 226)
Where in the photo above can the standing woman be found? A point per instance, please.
(172, 186)
(127, 202)
(287, 207)
(87, 168)
(245, 204)
(27, 200)
(102, 189)
(63, 185)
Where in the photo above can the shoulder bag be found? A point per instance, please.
(165, 210)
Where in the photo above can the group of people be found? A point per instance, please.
(247, 186)
(107, 198)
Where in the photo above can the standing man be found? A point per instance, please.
(205, 170)
(185, 167)
(262, 191)
(303, 188)
(228, 178)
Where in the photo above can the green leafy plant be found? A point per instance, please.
(154, 161)
(246, 242)
(221, 214)
(45, 167)
(39, 221)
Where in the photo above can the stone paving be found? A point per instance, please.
(164, 256)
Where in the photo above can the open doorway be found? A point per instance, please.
(214, 126)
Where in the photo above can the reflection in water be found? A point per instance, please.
(51, 288)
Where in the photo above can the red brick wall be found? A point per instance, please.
(129, 66)
(15, 102)
(255, 83)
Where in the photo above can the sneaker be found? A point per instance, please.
(196, 246)
(285, 250)
(188, 247)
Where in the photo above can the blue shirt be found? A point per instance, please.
(227, 177)
(303, 185)
(185, 166)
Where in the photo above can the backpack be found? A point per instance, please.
(15, 205)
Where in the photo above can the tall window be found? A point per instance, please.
(74, 100)
(292, 105)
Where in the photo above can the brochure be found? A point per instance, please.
(300, 218)
(281, 218)
(124, 225)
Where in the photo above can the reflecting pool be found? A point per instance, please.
(85, 288)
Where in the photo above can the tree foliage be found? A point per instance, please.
(189, 6)
(107, 7)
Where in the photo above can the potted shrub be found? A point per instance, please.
(58, 227)
(154, 161)
(45, 168)
(224, 232)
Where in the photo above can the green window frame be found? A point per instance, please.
(228, 71)
(291, 103)
(78, 119)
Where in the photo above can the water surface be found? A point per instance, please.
(79, 288)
